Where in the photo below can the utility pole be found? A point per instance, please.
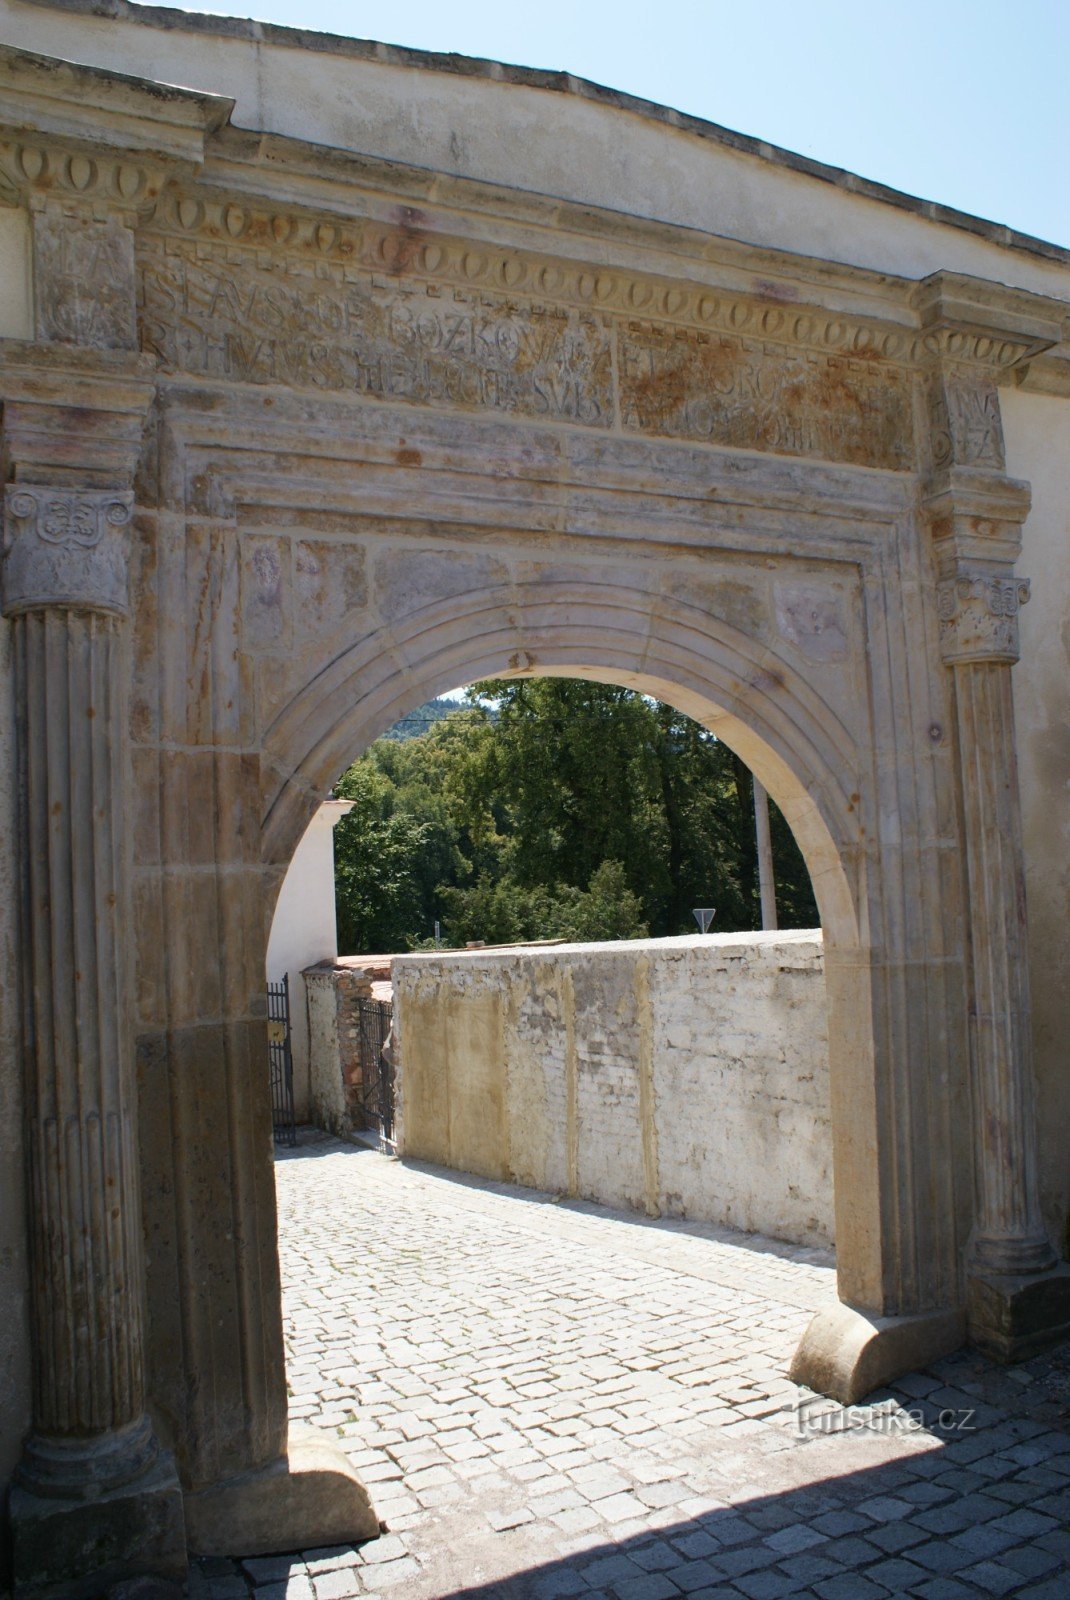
(766, 881)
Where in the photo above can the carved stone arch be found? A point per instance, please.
(738, 687)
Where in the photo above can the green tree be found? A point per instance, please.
(554, 808)
(378, 855)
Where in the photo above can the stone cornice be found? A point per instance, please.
(35, 370)
(1010, 327)
(101, 142)
(988, 324)
(558, 83)
(92, 106)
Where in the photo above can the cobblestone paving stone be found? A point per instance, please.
(551, 1400)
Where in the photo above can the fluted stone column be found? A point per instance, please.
(1018, 1293)
(96, 1498)
(979, 641)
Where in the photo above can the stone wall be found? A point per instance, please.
(336, 1070)
(684, 1077)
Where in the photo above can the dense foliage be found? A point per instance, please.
(553, 808)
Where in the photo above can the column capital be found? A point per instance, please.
(978, 611)
(65, 547)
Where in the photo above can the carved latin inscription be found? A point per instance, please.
(65, 548)
(754, 396)
(965, 420)
(978, 614)
(250, 321)
(261, 316)
(84, 282)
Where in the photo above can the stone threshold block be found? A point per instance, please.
(1013, 1316)
(309, 1497)
(77, 1549)
(846, 1353)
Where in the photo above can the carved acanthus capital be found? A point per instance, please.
(978, 612)
(65, 547)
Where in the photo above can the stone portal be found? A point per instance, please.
(297, 434)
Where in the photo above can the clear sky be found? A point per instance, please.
(962, 101)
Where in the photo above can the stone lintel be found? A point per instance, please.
(846, 1352)
(1012, 1316)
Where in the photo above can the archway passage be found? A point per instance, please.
(678, 1073)
(606, 618)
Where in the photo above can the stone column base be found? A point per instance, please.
(1012, 1315)
(846, 1353)
(79, 1548)
(309, 1497)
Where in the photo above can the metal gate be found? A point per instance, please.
(282, 1065)
(376, 1065)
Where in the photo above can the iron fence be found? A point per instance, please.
(375, 1018)
(280, 1055)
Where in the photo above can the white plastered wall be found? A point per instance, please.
(681, 1077)
(304, 931)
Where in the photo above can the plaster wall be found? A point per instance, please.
(304, 931)
(16, 292)
(682, 1077)
(1037, 430)
(499, 130)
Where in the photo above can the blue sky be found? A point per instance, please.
(962, 101)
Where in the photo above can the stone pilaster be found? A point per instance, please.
(96, 1497)
(978, 613)
(1019, 1297)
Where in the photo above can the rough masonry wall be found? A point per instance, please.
(683, 1077)
(336, 1095)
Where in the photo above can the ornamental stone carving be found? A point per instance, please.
(84, 281)
(65, 548)
(978, 614)
(964, 419)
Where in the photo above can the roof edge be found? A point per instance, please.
(166, 18)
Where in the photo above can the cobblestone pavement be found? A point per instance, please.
(552, 1400)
